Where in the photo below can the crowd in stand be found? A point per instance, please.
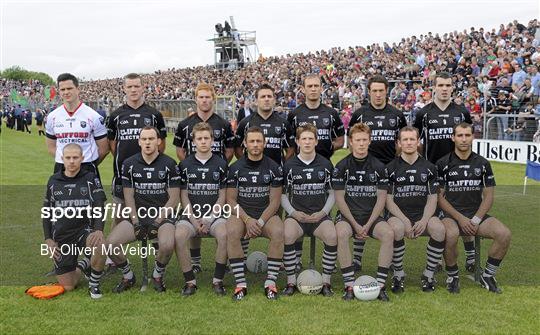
(495, 71)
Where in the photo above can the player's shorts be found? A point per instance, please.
(69, 252)
(184, 221)
(309, 228)
(362, 222)
(461, 232)
(88, 166)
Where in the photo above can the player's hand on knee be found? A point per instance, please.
(467, 226)
(253, 228)
(204, 228)
(299, 216)
(95, 239)
(362, 233)
(317, 216)
(409, 233)
(419, 228)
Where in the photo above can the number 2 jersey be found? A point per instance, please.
(253, 180)
(464, 181)
(307, 185)
(411, 184)
(83, 190)
(360, 179)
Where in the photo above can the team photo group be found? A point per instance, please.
(270, 177)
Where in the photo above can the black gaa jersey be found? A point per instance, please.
(327, 121)
(203, 180)
(150, 181)
(411, 184)
(83, 190)
(436, 128)
(384, 124)
(277, 131)
(360, 178)
(307, 185)
(124, 126)
(253, 179)
(464, 181)
(223, 134)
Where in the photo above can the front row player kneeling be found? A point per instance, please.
(203, 178)
(466, 196)
(360, 182)
(254, 186)
(151, 184)
(412, 202)
(74, 188)
(308, 200)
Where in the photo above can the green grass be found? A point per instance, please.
(25, 167)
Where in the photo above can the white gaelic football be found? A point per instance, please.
(309, 282)
(366, 288)
(257, 262)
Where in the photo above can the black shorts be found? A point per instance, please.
(69, 252)
(461, 232)
(88, 166)
(39, 123)
(362, 222)
(309, 228)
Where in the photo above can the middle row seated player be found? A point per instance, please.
(150, 183)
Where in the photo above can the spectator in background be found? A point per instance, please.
(39, 121)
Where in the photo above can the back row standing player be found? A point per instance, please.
(435, 122)
(75, 122)
(330, 131)
(222, 144)
(123, 129)
(385, 121)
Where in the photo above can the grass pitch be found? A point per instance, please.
(25, 167)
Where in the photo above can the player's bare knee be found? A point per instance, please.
(504, 235)
(387, 235)
(343, 234)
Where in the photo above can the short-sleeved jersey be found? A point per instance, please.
(360, 179)
(223, 134)
(464, 180)
(277, 131)
(411, 184)
(124, 126)
(253, 179)
(83, 190)
(307, 185)
(385, 125)
(203, 180)
(327, 121)
(83, 127)
(150, 182)
(436, 128)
